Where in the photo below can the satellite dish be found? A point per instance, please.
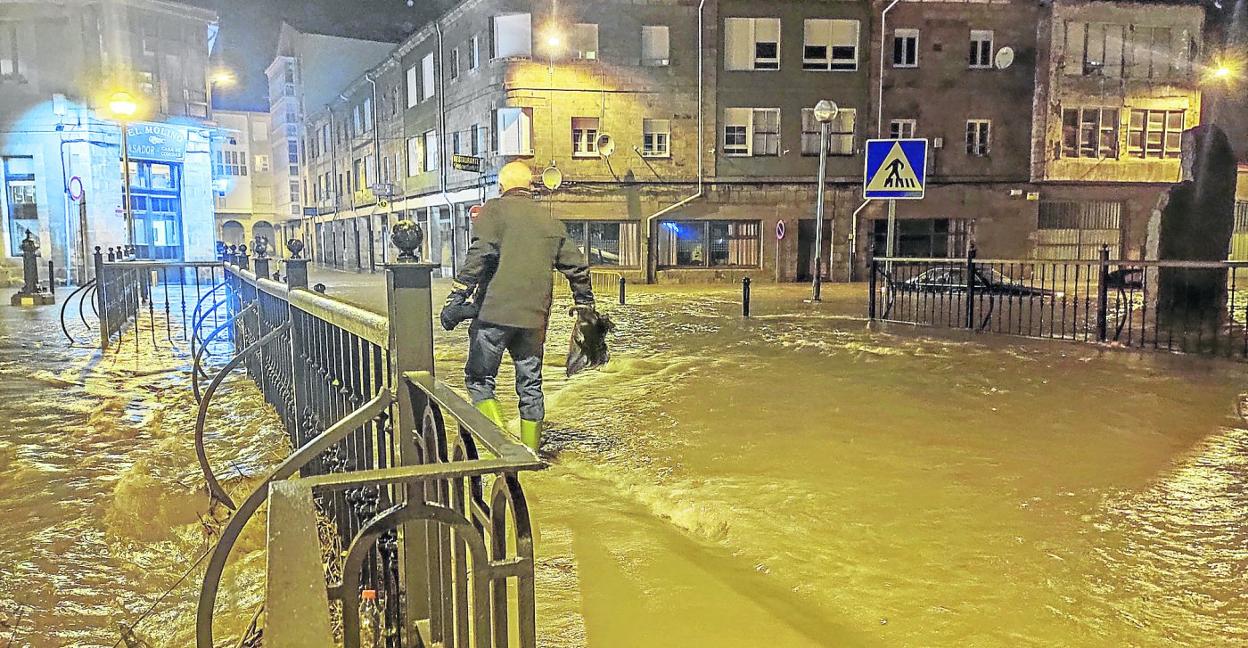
(1004, 58)
(552, 178)
(606, 145)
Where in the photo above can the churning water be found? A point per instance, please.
(790, 480)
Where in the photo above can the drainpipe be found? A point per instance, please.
(333, 169)
(372, 81)
(446, 151)
(879, 104)
(651, 261)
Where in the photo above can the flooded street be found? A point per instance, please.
(790, 480)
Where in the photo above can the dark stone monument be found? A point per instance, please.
(1193, 222)
(31, 294)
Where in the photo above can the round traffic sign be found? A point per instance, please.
(75, 194)
(780, 229)
(474, 213)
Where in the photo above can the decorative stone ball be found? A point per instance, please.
(296, 248)
(261, 247)
(242, 249)
(408, 237)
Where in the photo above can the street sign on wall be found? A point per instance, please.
(468, 163)
(780, 230)
(896, 169)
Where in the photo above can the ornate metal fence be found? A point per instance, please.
(416, 491)
(163, 295)
(1181, 306)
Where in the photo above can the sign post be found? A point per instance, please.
(895, 169)
(780, 231)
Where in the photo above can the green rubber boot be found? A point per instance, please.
(493, 411)
(531, 433)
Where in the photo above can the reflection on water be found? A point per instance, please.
(791, 480)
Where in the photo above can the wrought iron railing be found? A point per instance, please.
(1181, 306)
(604, 282)
(402, 498)
(129, 293)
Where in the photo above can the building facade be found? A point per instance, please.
(61, 148)
(683, 141)
(242, 169)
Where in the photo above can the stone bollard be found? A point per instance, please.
(296, 265)
(31, 294)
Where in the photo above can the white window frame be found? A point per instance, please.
(474, 53)
(744, 33)
(902, 128)
(415, 155)
(733, 118)
(978, 140)
(428, 87)
(842, 138)
(514, 123)
(656, 138)
(905, 34)
(432, 160)
(822, 32)
(583, 41)
(413, 87)
(453, 63)
(505, 44)
(656, 46)
(585, 132)
(981, 58)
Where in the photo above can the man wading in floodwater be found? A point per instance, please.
(509, 269)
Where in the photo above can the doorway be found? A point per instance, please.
(806, 248)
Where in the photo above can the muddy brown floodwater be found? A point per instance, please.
(791, 480)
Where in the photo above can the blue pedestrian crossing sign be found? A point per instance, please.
(896, 169)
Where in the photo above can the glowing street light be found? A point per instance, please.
(222, 78)
(123, 107)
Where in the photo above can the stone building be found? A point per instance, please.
(682, 134)
(59, 65)
(242, 171)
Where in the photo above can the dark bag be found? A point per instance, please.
(588, 347)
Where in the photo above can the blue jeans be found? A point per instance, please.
(486, 343)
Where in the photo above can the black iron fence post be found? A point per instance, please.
(872, 288)
(745, 297)
(52, 277)
(970, 287)
(100, 296)
(623, 283)
(1102, 297)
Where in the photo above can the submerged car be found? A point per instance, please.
(952, 279)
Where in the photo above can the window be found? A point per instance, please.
(478, 140)
(606, 243)
(584, 136)
(830, 45)
(370, 171)
(840, 132)
(923, 237)
(262, 164)
(513, 36)
(656, 135)
(456, 147)
(1077, 230)
(514, 131)
(1090, 133)
(901, 128)
(584, 41)
(19, 189)
(358, 174)
(751, 43)
(10, 64)
(656, 45)
(453, 63)
(368, 114)
(981, 48)
(751, 131)
(709, 244)
(426, 77)
(415, 155)
(906, 48)
(1102, 49)
(431, 151)
(357, 120)
(978, 137)
(413, 87)
(230, 163)
(474, 52)
(1155, 133)
(292, 149)
(1158, 52)
(325, 138)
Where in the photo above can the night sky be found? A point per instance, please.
(248, 34)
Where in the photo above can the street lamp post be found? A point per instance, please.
(825, 112)
(123, 107)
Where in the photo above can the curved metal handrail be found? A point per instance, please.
(285, 470)
(196, 367)
(84, 288)
(214, 487)
(198, 323)
(200, 303)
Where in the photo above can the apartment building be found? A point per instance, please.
(681, 145)
(60, 65)
(242, 171)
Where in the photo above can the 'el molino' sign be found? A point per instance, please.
(156, 142)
